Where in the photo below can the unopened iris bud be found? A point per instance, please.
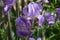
(23, 27)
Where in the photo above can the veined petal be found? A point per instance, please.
(32, 10)
(23, 27)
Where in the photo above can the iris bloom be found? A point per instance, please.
(23, 27)
(8, 5)
(32, 11)
(51, 19)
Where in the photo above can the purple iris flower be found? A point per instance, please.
(32, 10)
(31, 38)
(23, 27)
(8, 5)
(51, 20)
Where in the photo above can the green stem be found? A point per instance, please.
(26, 38)
(17, 7)
(9, 28)
(43, 33)
(38, 32)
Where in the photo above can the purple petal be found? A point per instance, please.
(31, 39)
(23, 27)
(38, 38)
(25, 10)
(8, 5)
(32, 10)
(9, 2)
(7, 9)
(58, 11)
(51, 20)
(40, 20)
(47, 15)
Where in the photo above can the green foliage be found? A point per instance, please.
(51, 33)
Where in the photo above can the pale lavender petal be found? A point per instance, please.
(25, 10)
(38, 38)
(47, 15)
(7, 9)
(31, 38)
(32, 10)
(41, 20)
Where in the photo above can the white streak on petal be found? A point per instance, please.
(6, 8)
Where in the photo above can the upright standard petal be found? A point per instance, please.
(32, 10)
(23, 27)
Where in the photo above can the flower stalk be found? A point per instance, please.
(17, 7)
(9, 28)
(43, 33)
